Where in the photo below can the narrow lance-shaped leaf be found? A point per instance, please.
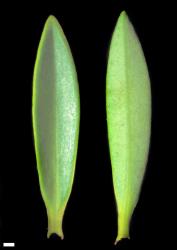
(56, 114)
(128, 104)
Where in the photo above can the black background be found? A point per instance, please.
(90, 217)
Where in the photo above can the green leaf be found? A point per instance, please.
(128, 105)
(56, 115)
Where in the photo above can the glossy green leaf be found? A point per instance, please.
(56, 115)
(128, 104)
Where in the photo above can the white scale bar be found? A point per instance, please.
(8, 244)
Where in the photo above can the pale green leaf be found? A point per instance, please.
(56, 114)
(128, 104)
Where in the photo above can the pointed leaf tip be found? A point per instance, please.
(123, 14)
(51, 19)
(122, 19)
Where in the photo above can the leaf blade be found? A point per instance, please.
(56, 115)
(128, 105)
